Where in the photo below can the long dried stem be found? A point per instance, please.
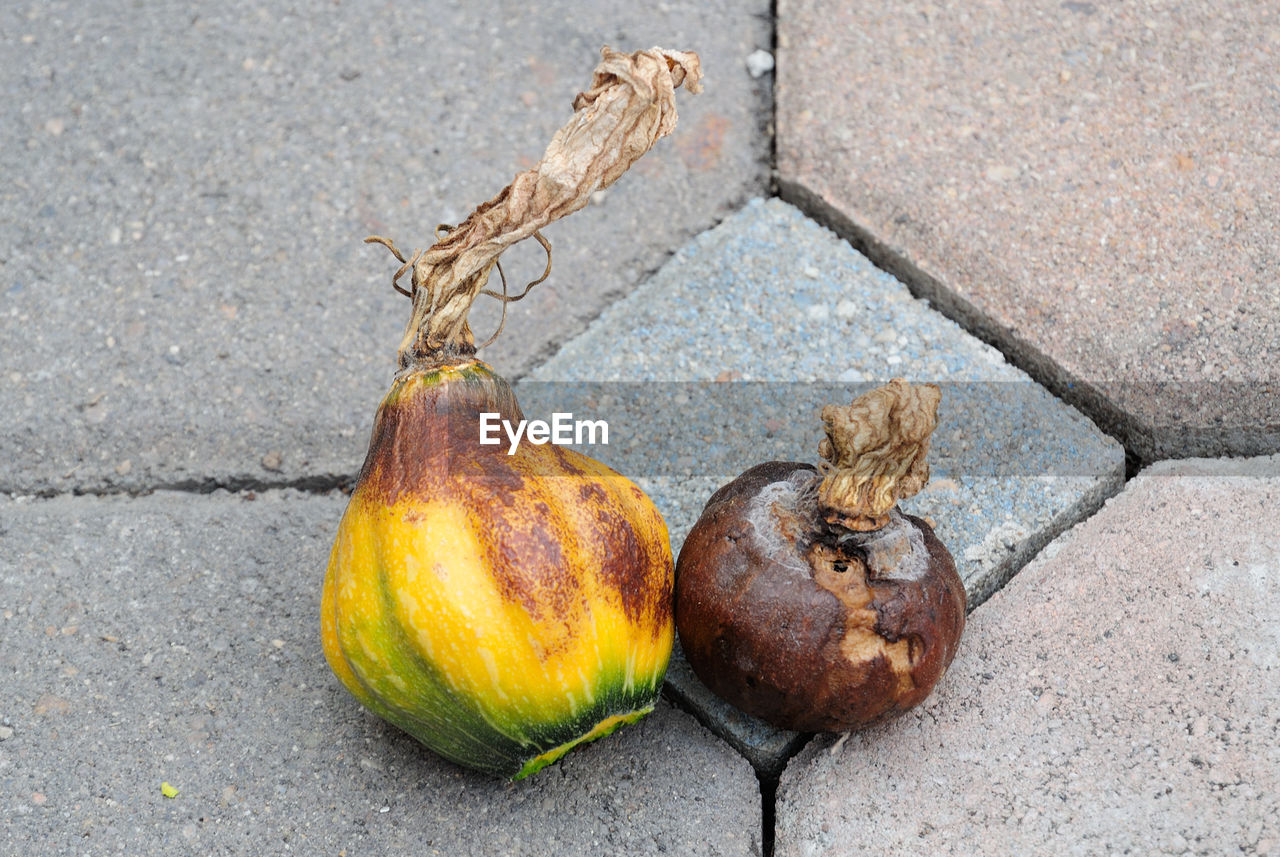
(630, 105)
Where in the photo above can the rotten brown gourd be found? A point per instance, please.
(805, 596)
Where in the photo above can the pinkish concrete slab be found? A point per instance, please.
(1090, 186)
(1120, 696)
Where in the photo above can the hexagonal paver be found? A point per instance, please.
(1120, 695)
(1092, 186)
(175, 639)
(186, 298)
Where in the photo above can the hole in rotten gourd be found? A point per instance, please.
(840, 566)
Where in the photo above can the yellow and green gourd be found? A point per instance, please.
(499, 608)
(504, 608)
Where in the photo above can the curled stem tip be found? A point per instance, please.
(875, 452)
(629, 107)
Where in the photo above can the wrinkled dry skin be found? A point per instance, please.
(811, 627)
(877, 447)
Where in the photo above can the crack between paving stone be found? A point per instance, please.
(325, 483)
(771, 126)
(769, 784)
(318, 484)
(767, 781)
(1132, 436)
(767, 185)
(768, 813)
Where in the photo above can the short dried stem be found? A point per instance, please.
(875, 450)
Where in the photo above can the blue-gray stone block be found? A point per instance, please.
(724, 358)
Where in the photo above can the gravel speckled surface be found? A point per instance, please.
(1118, 696)
(788, 317)
(175, 638)
(186, 298)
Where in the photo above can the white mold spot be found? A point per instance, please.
(762, 511)
(896, 551)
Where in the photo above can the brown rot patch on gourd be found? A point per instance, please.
(563, 463)
(527, 562)
(636, 568)
(628, 570)
(841, 573)
(591, 493)
(426, 435)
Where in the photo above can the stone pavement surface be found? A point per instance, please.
(1120, 696)
(187, 300)
(1091, 186)
(186, 304)
(780, 305)
(174, 638)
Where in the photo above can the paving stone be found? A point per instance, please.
(175, 638)
(1091, 185)
(1119, 696)
(788, 317)
(186, 298)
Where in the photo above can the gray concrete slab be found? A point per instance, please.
(723, 359)
(1118, 696)
(186, 298)
(1090, 185)
(175, 638)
